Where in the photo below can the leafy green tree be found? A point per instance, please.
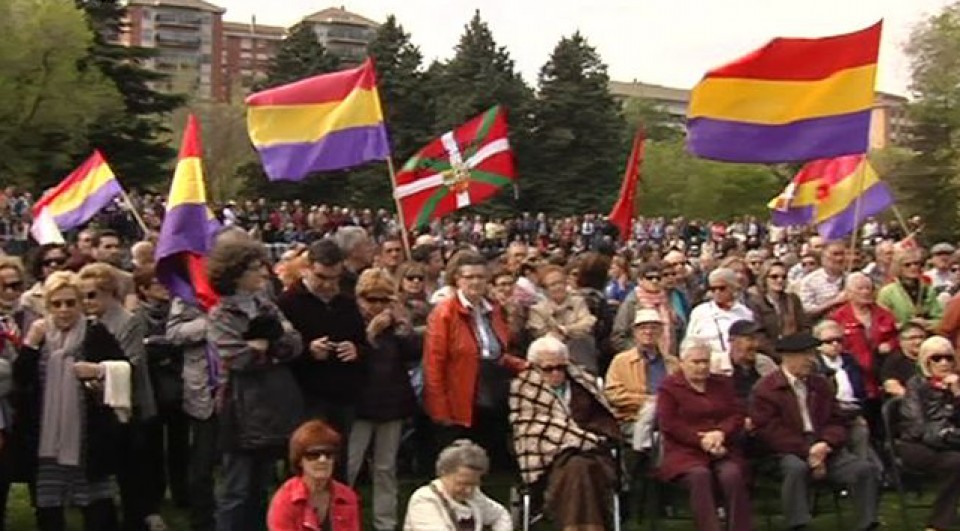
(300, 55)
(46, 102)
(928, 184)
(578, 133)
(135, 139)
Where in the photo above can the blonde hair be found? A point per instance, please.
(930, 346)
(104, 276)
(376, 280)
(900, 255)
(13, 262)
(60, 280)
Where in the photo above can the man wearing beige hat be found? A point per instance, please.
(635, 375)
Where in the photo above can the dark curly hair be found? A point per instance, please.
(229, 259)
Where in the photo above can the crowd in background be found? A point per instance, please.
(704, 351)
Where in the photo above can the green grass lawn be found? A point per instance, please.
(20, 515)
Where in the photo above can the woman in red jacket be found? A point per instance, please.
(313, 499)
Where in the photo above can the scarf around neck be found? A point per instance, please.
(61, 420)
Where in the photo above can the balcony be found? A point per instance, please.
(180, 21)
(348, 34)
(177, 41)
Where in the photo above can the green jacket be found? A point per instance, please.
(894, 298)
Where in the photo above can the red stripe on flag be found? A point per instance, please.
(324, 88)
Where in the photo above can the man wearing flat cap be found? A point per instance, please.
(749, 365)
(797, 418)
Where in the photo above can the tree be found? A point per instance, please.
(928, 184)
(46, 102)
(135, 139)
(300, 55)
(578, 132)
(656, 122)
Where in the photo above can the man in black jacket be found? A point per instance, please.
(329, 371)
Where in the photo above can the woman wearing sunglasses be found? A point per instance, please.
(910, 296)
(385, 398)
(412, 292)
(47, 259)
(67, 361)
(930, 429)
(779, 312)
(312, 499)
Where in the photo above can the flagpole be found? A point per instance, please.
(862, 176)
(136, 215)
(404, 237)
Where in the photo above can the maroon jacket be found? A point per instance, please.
(776, 414)
(683, 413)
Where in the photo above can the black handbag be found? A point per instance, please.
(262, 408)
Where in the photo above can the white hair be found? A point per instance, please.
(693, 344)
(726, 275)
(823, 326)
(349, 237)
(546, 343)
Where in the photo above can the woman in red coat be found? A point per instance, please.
(701, 422)
(313, 499)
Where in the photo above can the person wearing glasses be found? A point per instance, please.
(779, 312)
(649, 294)
(565, 316)
(47, 259)
(386, 398)
(412, 293)
(899, 367)
(312, 498)
(929, 427)
(808, 264)
(74, 439)
(454, 501)
(563, 428)
(910, 296)
(711, 320)
(701, 420)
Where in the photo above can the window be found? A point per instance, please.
(245, 43)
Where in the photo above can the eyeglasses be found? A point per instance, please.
(53, 262)
(16, 285)
(653, 278)
(808, 264)
(414, 278)
(911, 264)
(90, 295)
(63, 303)
(829, 340)
(314, 454)
(560, 367)
(940, 358)
(776, 277)
(717, 288)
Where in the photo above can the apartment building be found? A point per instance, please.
(343, 33)
(248, 49)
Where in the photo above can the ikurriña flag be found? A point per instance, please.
(188, 227)
(793, 100)
(326, 122)
(463, 167)
(835, 194)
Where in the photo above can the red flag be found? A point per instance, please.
(622, 214)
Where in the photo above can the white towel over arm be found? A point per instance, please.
(116, 388)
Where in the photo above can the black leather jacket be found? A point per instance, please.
(930, 415)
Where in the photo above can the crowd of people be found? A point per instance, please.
(704, 353)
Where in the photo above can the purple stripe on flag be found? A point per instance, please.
(817, 138)
(92, 204)
(172, 272)
(338, 150)
(792, 216)
(185, 229)
(874, 200)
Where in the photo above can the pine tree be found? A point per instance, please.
(300, 55)
(579, 132)
(134, 141)
(480, 75)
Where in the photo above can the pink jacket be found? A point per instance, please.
(290, 508)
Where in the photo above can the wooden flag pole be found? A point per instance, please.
(133, 210)
(404, 236)
(862, 176)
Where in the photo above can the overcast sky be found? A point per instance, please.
(667, 42)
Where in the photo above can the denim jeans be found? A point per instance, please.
(203, 458)
(244, 490)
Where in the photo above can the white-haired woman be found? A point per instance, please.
(702, 422)
(454, 501)
(930, 429)
(711, 320)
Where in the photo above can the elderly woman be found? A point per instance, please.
(565, 316)
(467, 362)
(312, 499)
(261, 402)
(649, 294)
(869, 335)
(453, 501)
(778, 312)
(930, 429)
(412, 292)
(701, 421)
(70, 362)
(47, 259)
(562, 425)
(386, 397)
(899, 367)
(909, 296)
(102, 301)
(711, 320)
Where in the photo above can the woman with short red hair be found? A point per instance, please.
(312, 499)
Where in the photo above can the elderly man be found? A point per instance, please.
(711, 320)
(941, 278)
(635, 375)
(561, 427)
(358, 250)
(796, 416)
(879, 269)
(822, 291)
(749, 365)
